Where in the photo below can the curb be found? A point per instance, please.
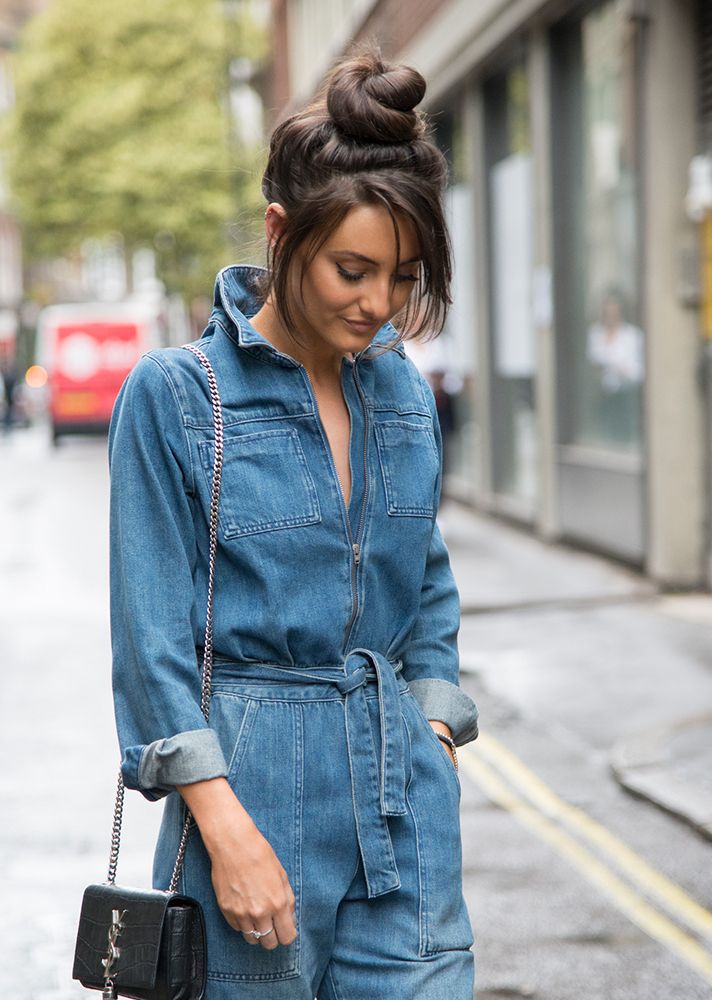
(671, 766)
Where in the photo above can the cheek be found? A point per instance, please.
(327, 295)
(401, 297)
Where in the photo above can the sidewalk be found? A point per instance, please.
(502, 570)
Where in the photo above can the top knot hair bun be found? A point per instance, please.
(372, 101)
(359, 141)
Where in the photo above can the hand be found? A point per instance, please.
(440, 727)
(251, 886)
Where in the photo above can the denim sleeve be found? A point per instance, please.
(431, 658)
(164, 738)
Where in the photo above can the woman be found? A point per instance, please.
(324, 788)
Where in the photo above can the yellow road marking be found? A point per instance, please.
(628, 901)
(667, 893)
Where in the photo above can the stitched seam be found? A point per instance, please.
(240, 743)
(402, 409)
(298, 712)
(174, 392)
(216, 321)
(422, 383)
(258, 527)
(422, 880)
(283, 701)
(330, 973)
(197, 425)
(258, 977)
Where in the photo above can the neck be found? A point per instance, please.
(322, 366)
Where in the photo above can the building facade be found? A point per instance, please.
(576, 352)
(10, 244)
(13, 15)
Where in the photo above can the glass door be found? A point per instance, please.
(510, 253)
(600, 335)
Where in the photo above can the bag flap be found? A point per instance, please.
(133, 918)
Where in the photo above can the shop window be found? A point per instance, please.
(601, 341)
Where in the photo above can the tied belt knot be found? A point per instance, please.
(378, 785)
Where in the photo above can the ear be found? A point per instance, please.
(275, 217)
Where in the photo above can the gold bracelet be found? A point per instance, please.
(451, 743)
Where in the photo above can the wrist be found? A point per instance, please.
(215, 808)
(440, 727)
(449, 742)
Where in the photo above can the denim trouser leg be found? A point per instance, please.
(293, 765)
(418, 939)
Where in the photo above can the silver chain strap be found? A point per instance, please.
(207, 669)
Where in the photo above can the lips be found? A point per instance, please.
(359, 327)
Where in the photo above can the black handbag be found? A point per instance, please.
(150, 944)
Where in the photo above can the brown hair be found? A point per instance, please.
(359, 142)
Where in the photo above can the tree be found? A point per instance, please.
(122, 124)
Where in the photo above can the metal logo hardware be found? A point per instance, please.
(112, 954)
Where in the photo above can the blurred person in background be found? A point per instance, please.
(432, 361)
(327, 855)
(616, 353)
(10, 376)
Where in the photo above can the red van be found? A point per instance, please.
(88, 349)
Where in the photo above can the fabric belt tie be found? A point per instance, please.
(378, 786)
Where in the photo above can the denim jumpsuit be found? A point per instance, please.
(335, 636)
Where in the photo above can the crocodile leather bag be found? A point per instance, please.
(141, 943)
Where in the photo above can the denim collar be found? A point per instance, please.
(237, 296)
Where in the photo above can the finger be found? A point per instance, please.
(289, 892)
(245, 925)
(269, 941)
(291, 899)
(285, 926)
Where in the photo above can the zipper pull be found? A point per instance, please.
(357, 552)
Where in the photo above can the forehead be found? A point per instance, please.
(368, 230)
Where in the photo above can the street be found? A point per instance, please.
(577, 889)
(57, 733)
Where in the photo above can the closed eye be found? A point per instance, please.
(357, 275)
(349, 275)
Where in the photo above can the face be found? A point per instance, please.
(354, 283)
(611, 311)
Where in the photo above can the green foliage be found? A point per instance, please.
(122, 125)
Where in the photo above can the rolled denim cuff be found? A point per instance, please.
(156, 768)
(445, 702)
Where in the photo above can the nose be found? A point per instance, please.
(376, 299)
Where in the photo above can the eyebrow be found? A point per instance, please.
(367, 260)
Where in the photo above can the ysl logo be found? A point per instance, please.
(113, 951)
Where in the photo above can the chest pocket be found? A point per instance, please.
(266, 482)
(409, 465)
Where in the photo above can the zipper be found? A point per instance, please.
(365, 455)
(353, 543)
(362, 518)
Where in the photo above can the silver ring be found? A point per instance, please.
(260, 934)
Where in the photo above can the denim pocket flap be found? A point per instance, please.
(266, 482)
(409, 465)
